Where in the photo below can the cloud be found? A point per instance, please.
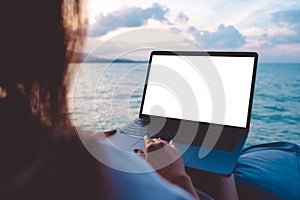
(182, 18)
(224, 37)
(127, 17)
(290, 20)
(287, 17)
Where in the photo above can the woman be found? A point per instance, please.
(41, 155)
(38, 142)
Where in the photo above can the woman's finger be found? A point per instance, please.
(155, 140)
(147, 141)
(139, 152)
(172, 143)
(109, 133)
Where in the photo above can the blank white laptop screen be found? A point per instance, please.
(200, 79)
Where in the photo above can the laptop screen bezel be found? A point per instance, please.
(205, 53)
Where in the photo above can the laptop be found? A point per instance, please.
(201, 100)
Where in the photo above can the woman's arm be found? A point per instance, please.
(166, 159)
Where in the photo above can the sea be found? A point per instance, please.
(105, 96)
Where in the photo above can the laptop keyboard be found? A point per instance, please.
(140, 128)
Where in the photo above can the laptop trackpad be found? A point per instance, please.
(138, 145)
(122, 141)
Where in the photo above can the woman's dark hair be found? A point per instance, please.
(35, 38)
(41, 156)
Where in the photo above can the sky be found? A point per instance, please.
(271, 27)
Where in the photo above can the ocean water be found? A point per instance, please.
(106, 96)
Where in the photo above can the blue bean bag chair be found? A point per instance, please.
(269, 171)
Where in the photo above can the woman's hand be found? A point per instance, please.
(166, 159)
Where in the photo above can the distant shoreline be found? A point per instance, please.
(144, 61)
(110, 61)
(83, 57)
